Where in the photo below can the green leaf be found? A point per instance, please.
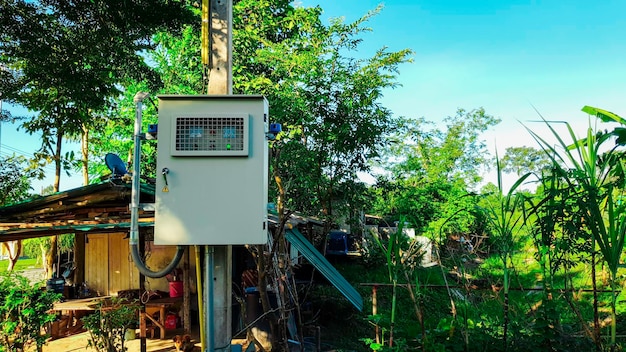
(604, 115)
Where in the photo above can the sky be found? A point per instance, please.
(515, 59)
(508, 57)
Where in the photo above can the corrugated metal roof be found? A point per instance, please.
(94, 208)
(20, 234)
(317, 259)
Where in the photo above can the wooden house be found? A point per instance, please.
(99, 217)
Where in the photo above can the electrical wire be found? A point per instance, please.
(20, 152)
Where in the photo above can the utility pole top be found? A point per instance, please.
(220, 55)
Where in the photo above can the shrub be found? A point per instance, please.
(23, 313)
(108, 324)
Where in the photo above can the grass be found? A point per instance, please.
(22, 264)
(537, 322)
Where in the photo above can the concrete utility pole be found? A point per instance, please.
(0, 122)
(217, 35)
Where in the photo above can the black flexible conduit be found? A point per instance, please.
(134, 250)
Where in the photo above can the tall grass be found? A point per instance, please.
(595, 173)
(505, 218)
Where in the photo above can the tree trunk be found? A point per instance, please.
(15, 249)
(52, 251)
(262, 267)
(506, 304)
(44, 251)
(84, 149)
(51, 255)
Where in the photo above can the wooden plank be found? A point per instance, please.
(79, 304)
(117, 280)
(123, 273)
(97, 264)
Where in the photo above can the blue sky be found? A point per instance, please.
(504, 56)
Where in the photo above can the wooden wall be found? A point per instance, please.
(96, 264)
(109, 267)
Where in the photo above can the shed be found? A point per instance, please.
(99, 216)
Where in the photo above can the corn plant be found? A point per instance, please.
(505, 217)
(597, 176)
(400, 254)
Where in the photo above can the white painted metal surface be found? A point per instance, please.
(214, 190)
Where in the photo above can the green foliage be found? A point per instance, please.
(115, 136)
(109, 322)
(432, 173)
(36, 247)
(455, 153)
(504, 217)
(595, 179)
(327, 102)
(523, 160)
(66, 62)
(15, 180)
(24, 311)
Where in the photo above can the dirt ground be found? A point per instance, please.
(78, 342)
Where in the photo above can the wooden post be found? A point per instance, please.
(186, 293)
(375, 311)
(79, 257)
(142, 306)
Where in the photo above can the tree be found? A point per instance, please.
(431, 173)
(327, 102)
(65, 61)
(15, 179)
(15, 186)
(522, 160)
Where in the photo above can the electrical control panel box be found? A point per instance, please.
(212, 165)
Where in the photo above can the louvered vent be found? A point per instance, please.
(210, 136)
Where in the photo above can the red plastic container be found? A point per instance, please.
(176, 288)
(170, 321)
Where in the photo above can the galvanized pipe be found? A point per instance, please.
(134, 202)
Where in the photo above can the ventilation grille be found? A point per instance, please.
(211, 136)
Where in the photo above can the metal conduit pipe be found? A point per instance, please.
(134, 205)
